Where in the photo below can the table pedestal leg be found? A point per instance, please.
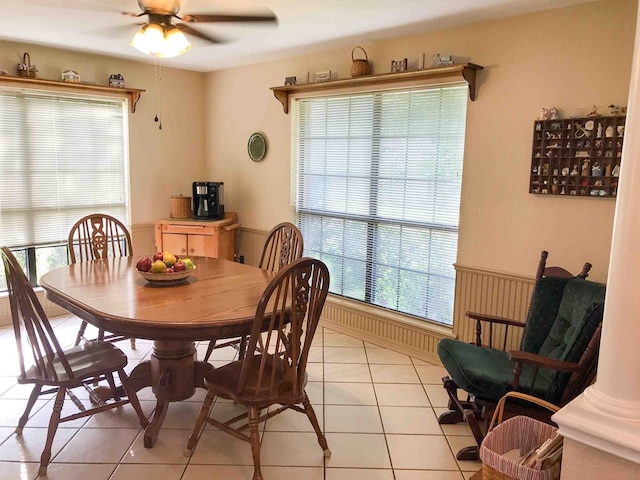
(175, 374)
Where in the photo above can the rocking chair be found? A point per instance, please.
(556, 361)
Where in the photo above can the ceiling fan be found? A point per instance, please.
(164, 38)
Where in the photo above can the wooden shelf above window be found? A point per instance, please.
(467, 72)
(132, 93)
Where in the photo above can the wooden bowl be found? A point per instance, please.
(166, 278)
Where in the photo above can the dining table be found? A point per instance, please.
(217, 301)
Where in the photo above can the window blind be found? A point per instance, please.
(61, 157)
(378, 180)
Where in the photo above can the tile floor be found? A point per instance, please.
(378, 409)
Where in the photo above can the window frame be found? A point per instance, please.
(295, 175)
(113, 97)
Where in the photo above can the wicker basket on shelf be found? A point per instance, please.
(25, 69)
(360, 66)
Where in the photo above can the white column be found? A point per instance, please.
(607, 416)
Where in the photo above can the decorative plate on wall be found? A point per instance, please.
(257, 147)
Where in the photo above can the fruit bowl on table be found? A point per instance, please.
(166, 278)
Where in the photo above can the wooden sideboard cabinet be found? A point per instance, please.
(204, 238)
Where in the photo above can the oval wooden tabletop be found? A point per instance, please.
(218, 300)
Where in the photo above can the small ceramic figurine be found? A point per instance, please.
(585, 168)
(609, 131)
(599, 134)
(616, 171)
(565, 171)
(596, 170)
(574, 171)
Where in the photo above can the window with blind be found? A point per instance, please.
(61, 157)
(378, 179)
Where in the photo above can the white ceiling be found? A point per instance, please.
(98, 26)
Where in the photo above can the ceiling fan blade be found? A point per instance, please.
(202, 18)
(184, 28)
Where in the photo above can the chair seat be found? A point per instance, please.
(86, 361)
(224, 382)
(485, 371)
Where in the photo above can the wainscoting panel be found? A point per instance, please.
(51, 309)
(491, 293)
(373, 325)
(249, 244)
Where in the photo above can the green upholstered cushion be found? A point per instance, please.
(545, 303)
(567, 326)
(484, 372)
(579, 315)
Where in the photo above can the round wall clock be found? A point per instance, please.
(257, 147)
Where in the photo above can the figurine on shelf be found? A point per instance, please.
(596, 170)
(617, 110)
(599, 134)
(574, 171)
(585, 168)
(545, 169)
(609, 131)
(565, 171)
(607, 170)
(548, 113)
(616, 171)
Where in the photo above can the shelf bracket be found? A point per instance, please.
(469, 75)
(135, 96)
(283, 98)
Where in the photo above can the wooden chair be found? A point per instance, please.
(557, 357)
(274, 374)
(62, 370)
(94, 237)
(283, 245)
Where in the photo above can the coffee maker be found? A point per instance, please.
(208, 200)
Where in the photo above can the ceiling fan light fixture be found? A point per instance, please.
(161, 40)
(149, 39)
(175, 43)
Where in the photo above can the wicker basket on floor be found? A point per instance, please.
(520, 432)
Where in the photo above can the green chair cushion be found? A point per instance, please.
(484, 372)
(545, 303)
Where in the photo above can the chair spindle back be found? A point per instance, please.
(98, 236)
(288, 313)
(283, 245)
(30, 324)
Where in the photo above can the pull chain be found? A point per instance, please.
(158, 85)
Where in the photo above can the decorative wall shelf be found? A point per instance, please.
(466, 70)
(132, 93)
(577, 156)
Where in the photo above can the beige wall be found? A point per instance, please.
(162, 162)
(567, 58)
